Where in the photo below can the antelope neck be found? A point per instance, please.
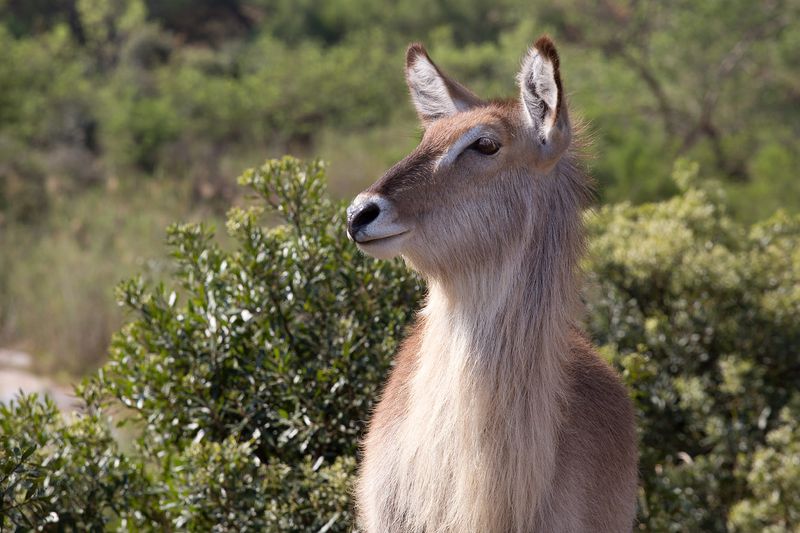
(524, 306)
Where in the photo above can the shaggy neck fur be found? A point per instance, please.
(478, 443)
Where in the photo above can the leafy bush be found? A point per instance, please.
(774, 475)
(702, 315)
(70, 474)
(248, 379)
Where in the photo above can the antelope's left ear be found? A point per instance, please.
(542, 94)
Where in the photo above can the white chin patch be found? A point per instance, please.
(386, 248)
(384, 236)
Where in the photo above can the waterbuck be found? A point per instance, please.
(498, 415)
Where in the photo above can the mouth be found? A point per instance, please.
(379, 238)
(383, 247)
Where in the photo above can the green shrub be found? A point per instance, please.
(702, 315)
(287, 336)
(70, 474)
(774, 475)
(247, 380)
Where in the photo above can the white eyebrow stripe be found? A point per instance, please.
(472, 135)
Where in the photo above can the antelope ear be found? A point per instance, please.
(433, 93)
(541, 92)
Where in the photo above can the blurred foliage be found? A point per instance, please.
(249, 375)
(168, 87)
(59, 274)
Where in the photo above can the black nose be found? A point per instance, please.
(361, 216)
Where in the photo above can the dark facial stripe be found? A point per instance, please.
(417, 166)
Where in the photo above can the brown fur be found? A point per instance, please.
(498, 415)
(395, 393)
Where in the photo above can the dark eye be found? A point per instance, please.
(486, 146)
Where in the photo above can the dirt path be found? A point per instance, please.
(16, 374)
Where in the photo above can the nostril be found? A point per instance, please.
(364, 216)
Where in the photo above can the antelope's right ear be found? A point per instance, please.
(542, 94)
(433, 93)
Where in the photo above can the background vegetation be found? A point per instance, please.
(246, 376)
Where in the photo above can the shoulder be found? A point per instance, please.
(394, 398)
(592, 374)
(600, 401)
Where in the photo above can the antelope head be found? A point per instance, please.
(476, 182)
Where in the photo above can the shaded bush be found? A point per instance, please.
(248, 379)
